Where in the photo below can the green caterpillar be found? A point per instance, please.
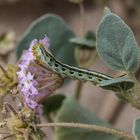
(44, 57)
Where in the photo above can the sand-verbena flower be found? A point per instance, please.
(35, 81)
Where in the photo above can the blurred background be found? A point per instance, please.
(17, 15)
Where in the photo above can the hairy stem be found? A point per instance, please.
(6, 137)
(134, 97)
(90, 127)
(7, 106)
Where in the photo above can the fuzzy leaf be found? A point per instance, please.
(89, 41)
(106, 11)
(83, 42)
(53, 103)
(71, 111)
(58, 32)
(116, 44)
(136, 129)
(118, 83)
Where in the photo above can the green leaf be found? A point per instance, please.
(80, 42)
(89, 41)
(57, 31)
(136, 129)
(106, 11)
(116, 44)
(53, 103)
(116, 84)
(90, 35)
(71, 111)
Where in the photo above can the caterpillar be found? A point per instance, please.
(44, 57)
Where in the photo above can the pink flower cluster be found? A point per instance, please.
(28, 84)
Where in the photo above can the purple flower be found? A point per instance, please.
(35, 81)
(45, 41)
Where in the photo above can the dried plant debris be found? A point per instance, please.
(8, 79)
(21, 125)
(7, 43)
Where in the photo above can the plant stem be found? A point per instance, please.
(11, 135)
(101, 3)
(82, 16)
(77, 50)
(49, 118)
(78, 89)
(90, 127)
(134, 97)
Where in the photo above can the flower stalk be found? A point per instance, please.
(89, 127)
